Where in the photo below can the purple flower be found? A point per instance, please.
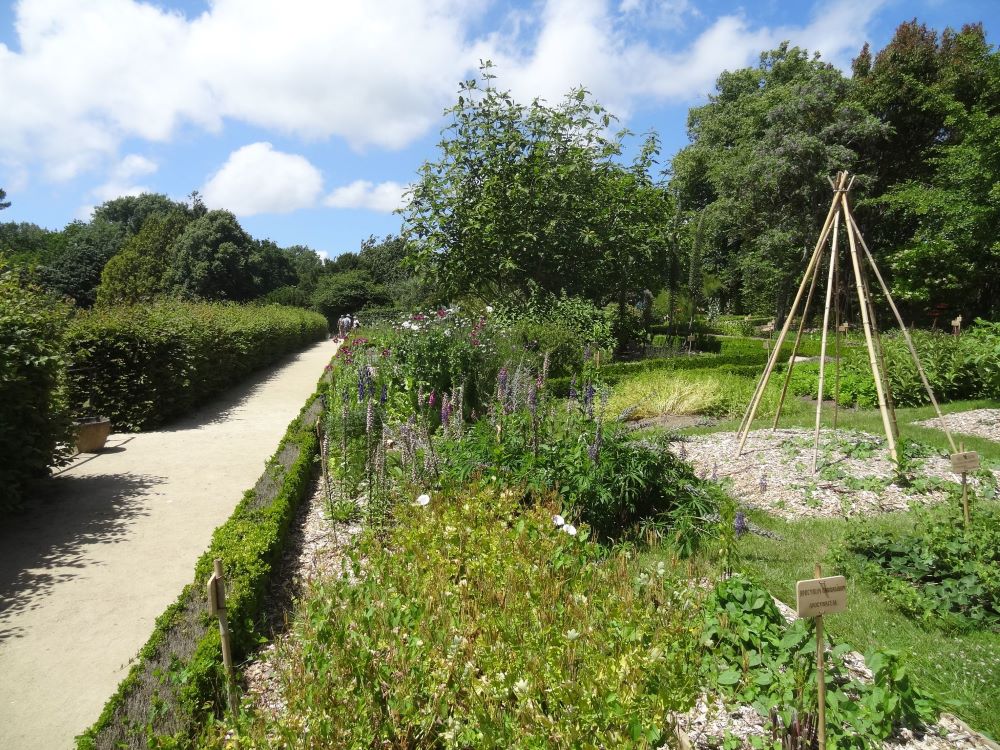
(740, 525)
(432, 399)
(385, 394)
(572, 389)
(594, 451)
(370, 417)
(361, 387)
(502, 381)
(445, 411)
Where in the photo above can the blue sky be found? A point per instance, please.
(307, 118)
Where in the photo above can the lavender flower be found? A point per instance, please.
(588, 400)
(740, 525)
(594, 451)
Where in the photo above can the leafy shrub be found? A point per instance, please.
(34, 421)
(480, 623)
(140, 366)
(938, 572)
(753, 656)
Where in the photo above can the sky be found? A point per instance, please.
(308, 118)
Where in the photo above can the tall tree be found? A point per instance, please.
(139, 272)
(3, 204)
(86, 248)
(213, 259)
(761, 152)
(535, 196)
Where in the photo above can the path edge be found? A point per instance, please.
(176, 681)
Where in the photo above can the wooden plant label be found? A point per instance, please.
(821, 596)
(962, 463)
(692, 338)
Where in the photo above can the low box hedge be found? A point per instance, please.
(141, 366)
(177, 681)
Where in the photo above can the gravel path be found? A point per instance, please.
(113, 540)
(984, 423)
(854, 474)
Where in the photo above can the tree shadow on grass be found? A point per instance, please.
(46, 543)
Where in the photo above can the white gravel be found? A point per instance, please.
(854, 473)
(984, 423)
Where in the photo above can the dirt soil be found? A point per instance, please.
(112, 539)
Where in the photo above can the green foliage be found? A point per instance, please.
(33, 410)
(344, 293)
(536, 195)
(755, 657)
(139, 272)
(140, 366)
(215, 259)
(716, 392)
(938, 571)
(479, 623)
(131, 212)
(84, 250)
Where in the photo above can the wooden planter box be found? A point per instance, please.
(91, 434)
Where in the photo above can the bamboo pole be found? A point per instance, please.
(822, 346)
(772, 360)
(798, 339)
(866, 324)
(820, 674)
(890, 402)
(836, 351)
(906, 335)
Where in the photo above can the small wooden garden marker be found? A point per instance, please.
(815, 598)
(962, 463)
(956, 326)
(217, 607)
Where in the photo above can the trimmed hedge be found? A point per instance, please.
(177, 681)
(33, 413)
(141, 366)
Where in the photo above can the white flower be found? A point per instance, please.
(424, 499)
(558, 520)
(489, 308)
(521, 686)
(572, 634)
(569, 529)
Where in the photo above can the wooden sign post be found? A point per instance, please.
(217, 607)
(815, 598)
(962, 463)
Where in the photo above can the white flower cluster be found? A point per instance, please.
(561, 524)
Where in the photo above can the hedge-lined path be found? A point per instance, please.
(110, 542)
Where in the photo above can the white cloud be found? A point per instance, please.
(256, 179)
(121, 181)
(384, 197)
(85, 77)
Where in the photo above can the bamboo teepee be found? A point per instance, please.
(840, 211)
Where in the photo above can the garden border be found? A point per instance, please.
(177, 678)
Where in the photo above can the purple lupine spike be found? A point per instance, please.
(594, 450)
(370, 417)
(572, 389)
(432, 399)
(445, 412)
(385, 395)
(361, 387)
(740, 525)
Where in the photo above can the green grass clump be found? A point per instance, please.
(712, 392)
(479, 623)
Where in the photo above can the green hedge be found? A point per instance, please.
(33, 414)
(177, 681)
(141, 366)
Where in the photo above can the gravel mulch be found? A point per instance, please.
(984, 423)
(316, 550)
(854, 473)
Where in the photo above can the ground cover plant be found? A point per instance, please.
(938, 571)
(479, 622)
(957, 668)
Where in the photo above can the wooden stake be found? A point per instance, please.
(217, 607)
(822, 346)
(820, 675)
(965, 493)
(866, 324)
(795, 346)
(906, 335)
(762, 383)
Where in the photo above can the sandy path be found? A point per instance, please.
(112, 541)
